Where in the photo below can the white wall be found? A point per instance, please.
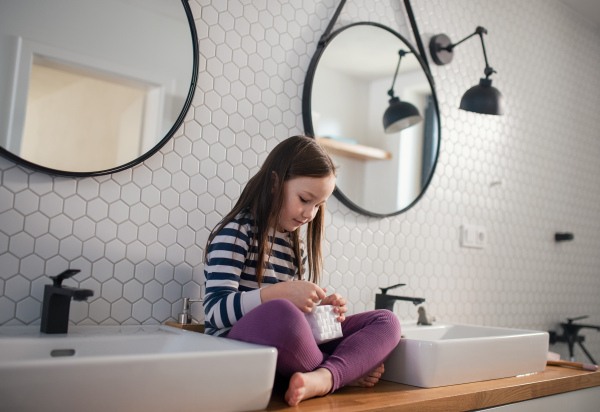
(138, 235)
(342, 118)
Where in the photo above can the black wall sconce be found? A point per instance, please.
(482, 98)
(399, 115)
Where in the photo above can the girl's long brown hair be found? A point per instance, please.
(296, 156)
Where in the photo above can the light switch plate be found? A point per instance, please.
(473, 236)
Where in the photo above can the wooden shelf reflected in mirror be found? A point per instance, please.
(355, 151)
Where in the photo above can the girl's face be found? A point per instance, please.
(302, 198)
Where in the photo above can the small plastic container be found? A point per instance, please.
(324, 324)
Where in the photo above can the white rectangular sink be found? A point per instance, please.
(450, 354)
(135, 368)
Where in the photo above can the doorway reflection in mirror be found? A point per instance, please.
(99, 118)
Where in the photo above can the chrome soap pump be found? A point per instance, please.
(185, 320)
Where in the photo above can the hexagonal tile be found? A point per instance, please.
(112, 290)
(17, 288)
(28, 310)
(171, 162)
(120, 310)
(93, 249)
(88, 188)
(156, 253)
(161, 310)
(21, 244)
(70, 247)
(26, 202)
(115, 250)
(6, 199)
(61, 226)
(11, 222)
(97, 209)
(141, 310)
(172, 291)
(99, 310)
(7, 309)
(130, 194)
(46, 246)
(139, 213)
(198, 184)
(124, 270)
(216, 187)
(183, 273)
(147, 234)
(32, 267)
(36, 224)
(187, 202)
(152, 291)
(150, 196)
(180, 182)
(206, 202)
(190, 166)
(159, 216)
(74, 207)
(123, 177)
(102, 269)
(110, 191)
(118, 212)
(169, 198)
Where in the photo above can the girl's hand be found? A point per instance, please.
(304, 295)
(336, 299)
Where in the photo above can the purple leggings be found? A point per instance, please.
(368, 339)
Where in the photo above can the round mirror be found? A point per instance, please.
(93, 87)
(345, 98)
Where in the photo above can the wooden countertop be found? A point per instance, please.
(389, 396)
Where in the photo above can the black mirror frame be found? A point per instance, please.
(307, 109)
(158, 146)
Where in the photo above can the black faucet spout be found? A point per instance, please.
(415, 301)
(385, 301)
(57, 303)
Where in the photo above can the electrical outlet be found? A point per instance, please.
(473, 236)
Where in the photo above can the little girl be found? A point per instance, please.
(255, 263)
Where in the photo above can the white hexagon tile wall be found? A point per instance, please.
(138, 235)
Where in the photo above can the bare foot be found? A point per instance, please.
(369, 379)
(308, 385)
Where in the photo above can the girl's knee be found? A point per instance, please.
(271, 322)
(392, 324)
(287, 322)
(282, 312)
(281, 307)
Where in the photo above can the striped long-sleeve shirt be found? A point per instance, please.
(230, 281)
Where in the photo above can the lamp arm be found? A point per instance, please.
(452, 46)
(488, 70)
(478, 31)
(401, 54)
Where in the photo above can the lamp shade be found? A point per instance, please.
(483, 99)
(400, 115)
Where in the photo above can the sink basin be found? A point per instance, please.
(137, 368)
(450, 354)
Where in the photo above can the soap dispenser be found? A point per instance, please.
(185, 320)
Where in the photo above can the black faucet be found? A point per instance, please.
(571, 336)
(57, 302)
(385, 301)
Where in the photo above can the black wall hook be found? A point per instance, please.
(563, 237)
